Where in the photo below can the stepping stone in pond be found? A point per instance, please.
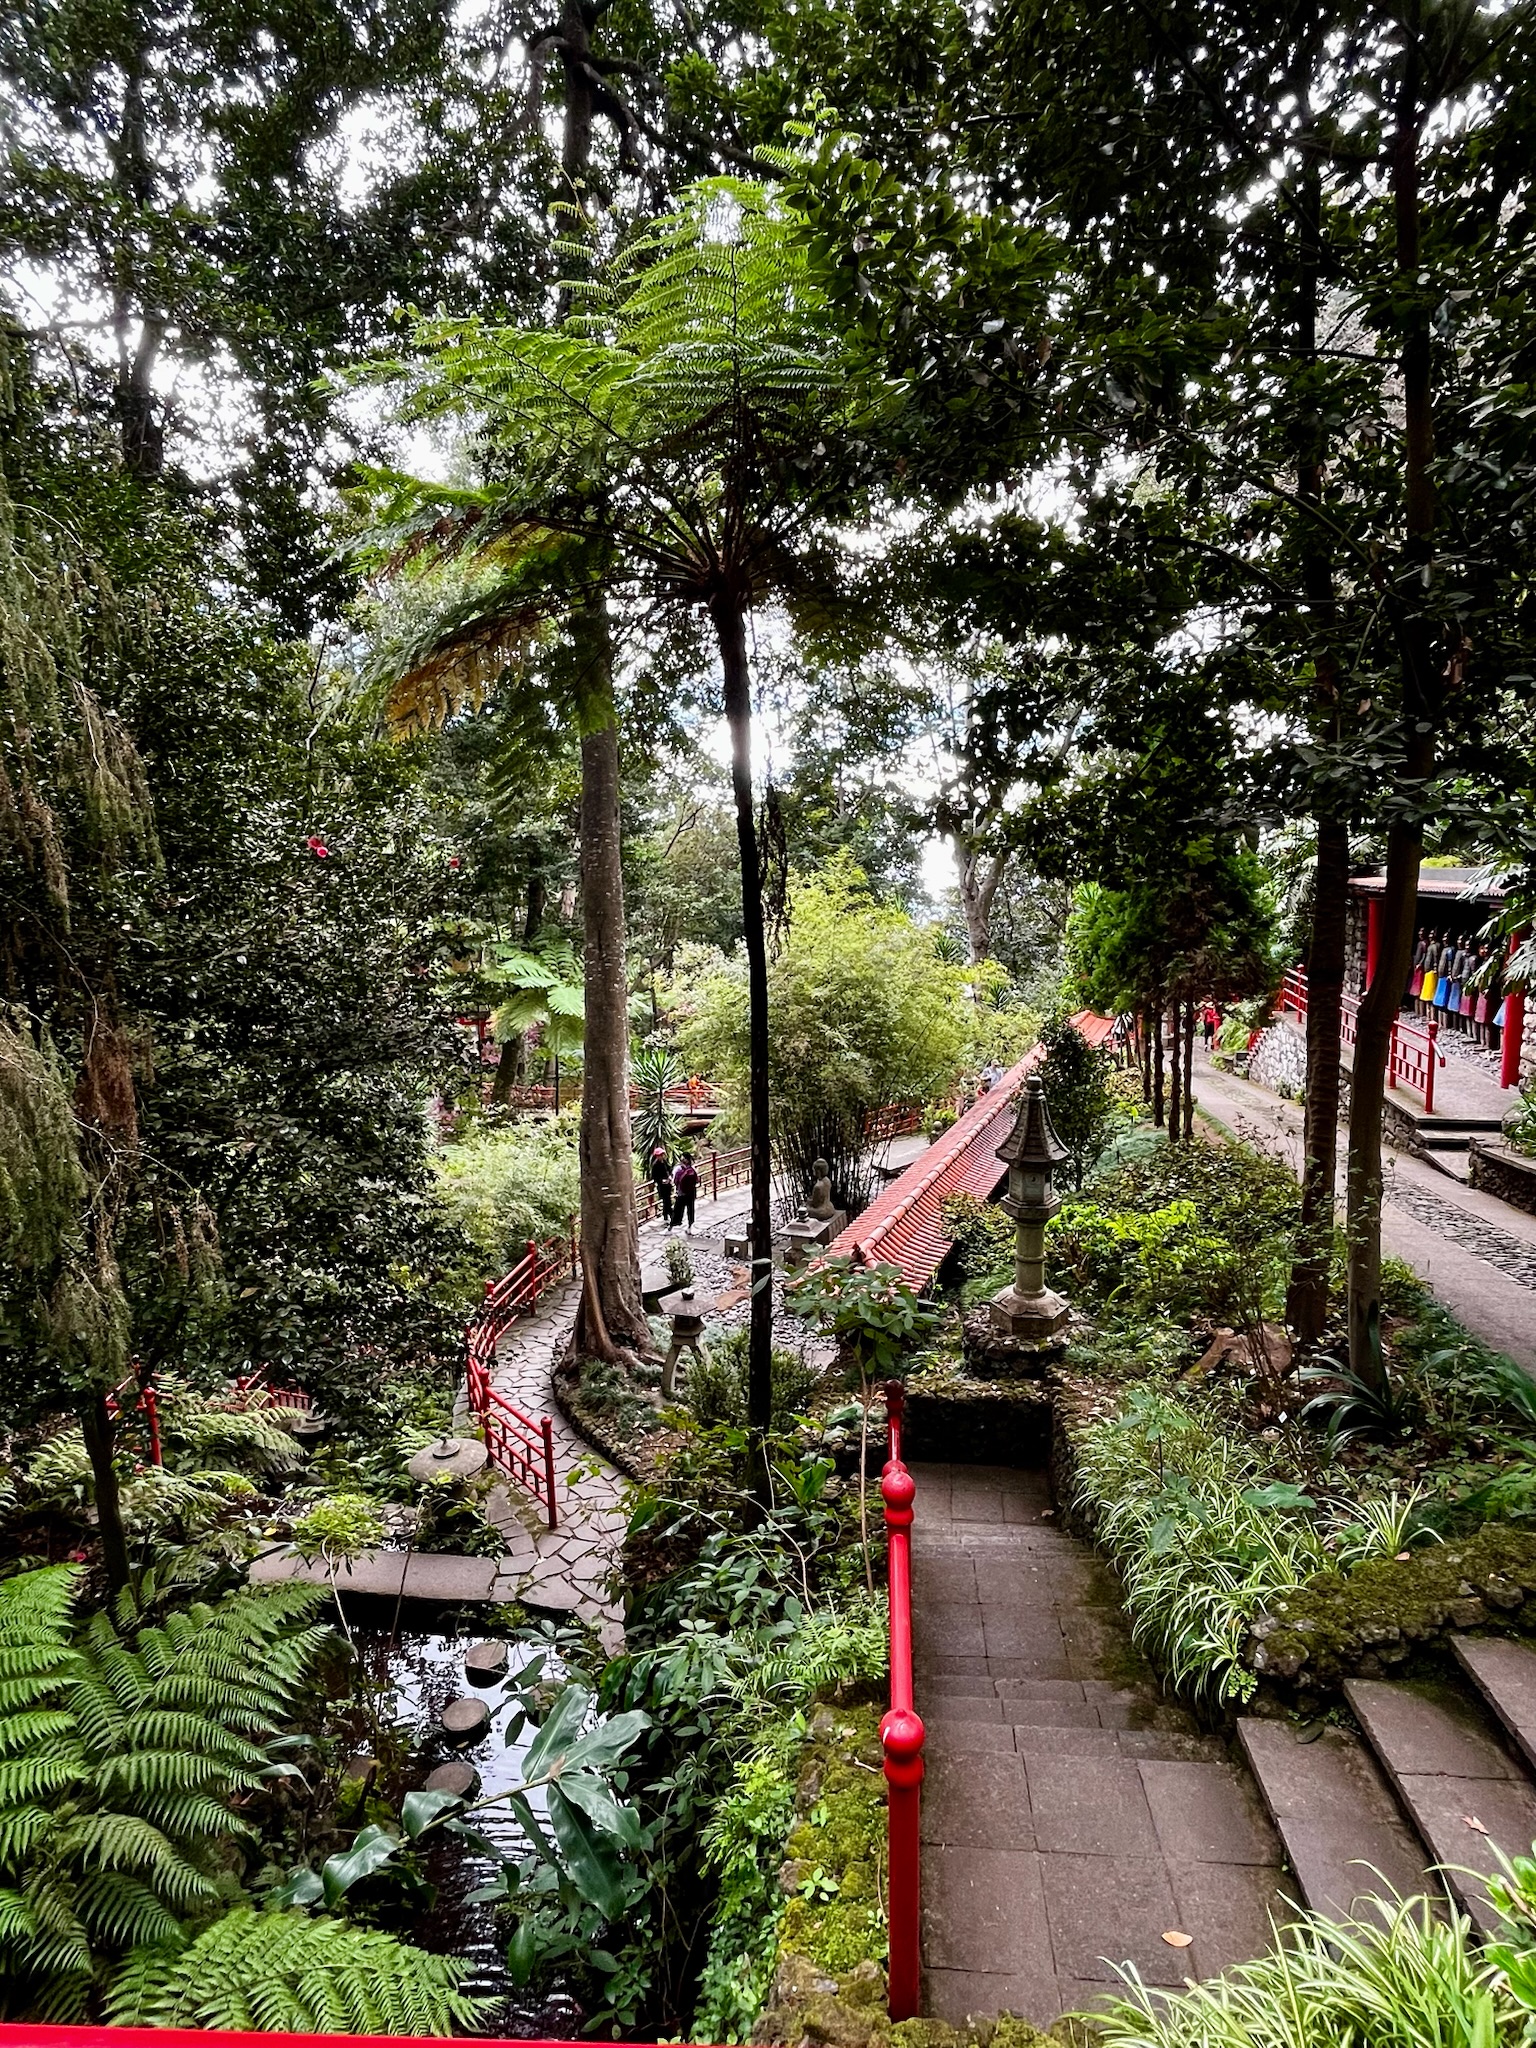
(484, 1663)
(464, 1718)
(462, 1780)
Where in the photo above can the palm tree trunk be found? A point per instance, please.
(730, 630)
(610, 1215)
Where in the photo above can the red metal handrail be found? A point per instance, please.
(901, 1735)
(1413, 1055)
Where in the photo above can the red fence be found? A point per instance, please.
(134, 1396)
(522, 1445)
(26, 2035)
(1413, 1055)
(901, 1735)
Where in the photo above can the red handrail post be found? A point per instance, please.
(1429, 1067)
(151, 1409)
(901, 1737)
(548, 1431)
(714, 1176)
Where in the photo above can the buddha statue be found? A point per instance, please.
(821, 1205)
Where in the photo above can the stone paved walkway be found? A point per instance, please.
(1476, 1252)
(1071, 1816)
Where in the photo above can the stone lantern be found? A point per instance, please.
(1027, 1312)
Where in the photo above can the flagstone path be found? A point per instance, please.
(1072, 1817)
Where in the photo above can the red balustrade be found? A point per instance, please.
(1413, 1055)
(135, 1396)
(522, 1445)
(901, 1735)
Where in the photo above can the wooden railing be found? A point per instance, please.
(522, 1445)
(135, 1396)
(901, 1735)
(1414, 1053)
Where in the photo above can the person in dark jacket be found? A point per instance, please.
(660, 1172)
(685, 1191)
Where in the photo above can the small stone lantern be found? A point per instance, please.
(1027, 1312)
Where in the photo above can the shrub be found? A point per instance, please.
(981, 1237)
(715, 1389)
(505, 1184)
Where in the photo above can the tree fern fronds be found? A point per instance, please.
(126, 1841)
(36, 1606)
(25, 1780)
(21, 1829)
(284, 1972)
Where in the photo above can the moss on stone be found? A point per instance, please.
(1382, 1614)
(837, 2021)
(835, 1868)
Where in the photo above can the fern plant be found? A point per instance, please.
(120, 1750)
(288, 1973)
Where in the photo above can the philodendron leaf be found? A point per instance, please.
(522, 1952)
(592, 1871)
(302, 1889)
(422, 1810)
(373, 1848)
(559, 1732)
(607, 1742)
(620, 1823)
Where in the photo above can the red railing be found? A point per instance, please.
(896, 1120)
(24, 2034)
(1412, 1056)
(256, 1390)
(522, 1445)
(134, 1395)
(901, 1736)
(722, 1170)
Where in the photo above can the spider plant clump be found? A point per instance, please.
(1408, 1976)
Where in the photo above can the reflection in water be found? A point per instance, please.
(427, 1672)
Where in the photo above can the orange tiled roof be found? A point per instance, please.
(904, 1227)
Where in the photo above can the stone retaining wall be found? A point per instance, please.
(1279, 1060)
(1501, 1171)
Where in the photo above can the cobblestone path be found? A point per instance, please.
(1072, 1818)
(1501, 1248)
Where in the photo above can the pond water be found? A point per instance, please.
(425, 1673)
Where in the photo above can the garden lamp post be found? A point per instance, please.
(1027, 1311)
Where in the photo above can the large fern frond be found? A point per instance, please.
(284, 1972)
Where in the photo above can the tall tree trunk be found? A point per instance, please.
(1306, 1302)
(1420, 711)
(610, 1215)
(979, 875)
(1157, 1066)
(1176, 1079)
(1189, 1074)
(141, 433)
(611, 1309)
(100, 1445)
(1144, 1053)
(730, 630)
(1306, 1305)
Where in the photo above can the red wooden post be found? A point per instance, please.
(1514, 1032)
(548, 1429)
(152, 1417)
(1372, 937)
(1429, 1071)
(901, 1737)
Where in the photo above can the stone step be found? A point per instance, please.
(1456, 1781)
(1504, 1672)
(1343, 1834)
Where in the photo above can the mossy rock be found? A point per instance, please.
(1387, 1615)
(846, 2019)
(835, 1855)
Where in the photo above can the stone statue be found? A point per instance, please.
(820, 1205)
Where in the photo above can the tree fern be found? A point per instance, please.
(119, 1754)
(284, 1972)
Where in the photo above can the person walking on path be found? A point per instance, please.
(660, 1171)
(685, 1192)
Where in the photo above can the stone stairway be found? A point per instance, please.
(1073, 1818)
(1439, 1774)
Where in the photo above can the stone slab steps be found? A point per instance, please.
(1455, 1777)
(1504, 1673)
(1344, 1837)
